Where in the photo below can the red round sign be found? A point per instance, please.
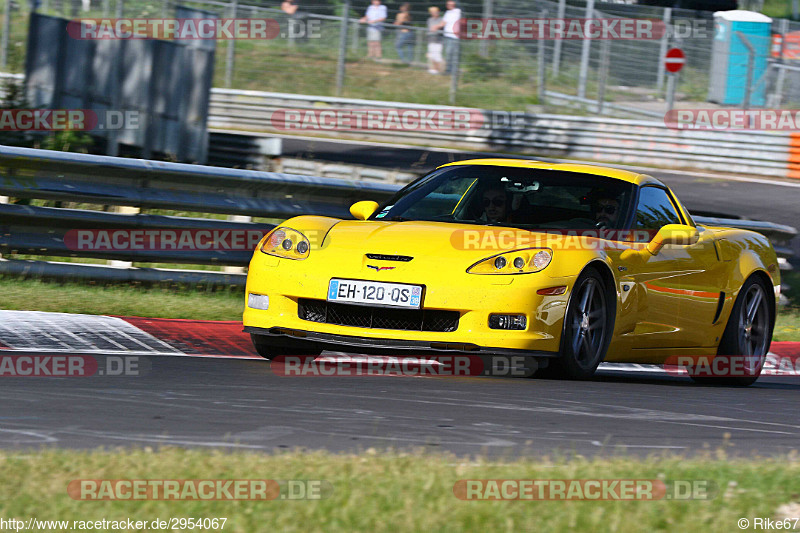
(674, 60)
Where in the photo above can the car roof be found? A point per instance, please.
(608, 172)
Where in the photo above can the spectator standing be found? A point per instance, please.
(405, 38)
(374, 17)
(449, 25)
(435, 59)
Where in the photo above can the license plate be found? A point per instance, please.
(375, 293)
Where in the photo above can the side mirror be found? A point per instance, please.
(363, 210)
(675, 234)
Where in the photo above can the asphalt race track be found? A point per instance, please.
(242, 404)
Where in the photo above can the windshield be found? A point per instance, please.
(513, 196)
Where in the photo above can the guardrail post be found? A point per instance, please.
(236, 269)
(585, 51)
(124, 210)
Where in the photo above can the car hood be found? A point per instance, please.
(429, 239)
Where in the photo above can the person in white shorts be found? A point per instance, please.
(435, 59)
(374, 17)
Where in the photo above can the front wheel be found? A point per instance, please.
(588, 325)
(270, 348)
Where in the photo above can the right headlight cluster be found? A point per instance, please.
(517, 262)
(287, 243)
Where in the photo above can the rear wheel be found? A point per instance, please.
(747, 335)
(270, 348)
(588, 324)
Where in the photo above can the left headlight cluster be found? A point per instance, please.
(516, 262)
(287, 243)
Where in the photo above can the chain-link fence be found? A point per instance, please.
(315, 53)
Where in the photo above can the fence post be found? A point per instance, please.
(585, 51)
(602, 75)
(120, 12)
(454, 71)
(541, 66)
(777, 92)
(418, 50)
(230, 54)
(340, 64)
(751, 58)
(487, 14)
(6, 30)
(562, 7)
(662, 51)
(354, 39)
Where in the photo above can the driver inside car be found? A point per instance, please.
(606, 210)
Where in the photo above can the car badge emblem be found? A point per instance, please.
(379, 268)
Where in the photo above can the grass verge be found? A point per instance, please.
(186, 302)
(124, 300)
(389, 491)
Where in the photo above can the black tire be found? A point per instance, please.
(748, 334)
(588, 326)
(270, 348)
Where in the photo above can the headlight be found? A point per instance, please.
(287, 243)
(516, 262)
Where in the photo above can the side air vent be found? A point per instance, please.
(720, 303)
(383, 257)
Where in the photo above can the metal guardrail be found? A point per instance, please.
(41, 174)
(621, 141)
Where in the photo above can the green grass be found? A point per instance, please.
(400, 491)
(124, 300)
(185, 302)
(787, 325)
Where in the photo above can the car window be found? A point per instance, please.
(655, 209)
(513, 196)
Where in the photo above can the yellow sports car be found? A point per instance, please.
(567, 265)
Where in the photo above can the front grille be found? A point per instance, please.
(384, 257)
(362, 316)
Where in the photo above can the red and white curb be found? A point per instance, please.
(36, 331)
